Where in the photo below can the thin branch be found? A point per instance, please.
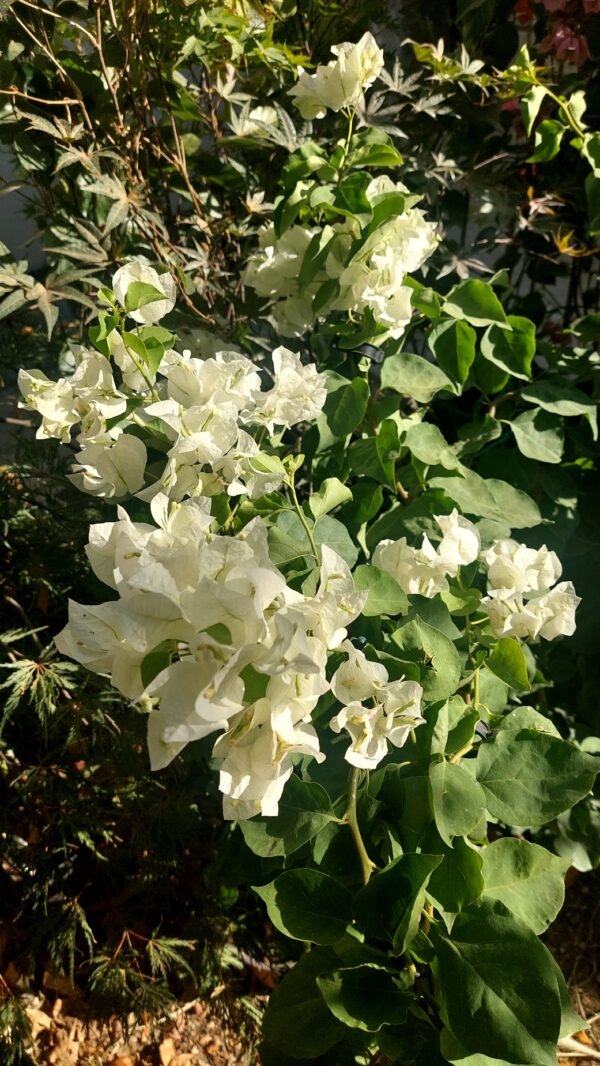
(50, 55)
(65, 102)
(62, 18)
(109, 84)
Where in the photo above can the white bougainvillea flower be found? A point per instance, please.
(53, 400)
(418, 571)
(114, 548)
(197, 697)
(337, 602)
(550, 615)
(113, 468)
(556, 610)
(274, 270)
(357, 679)
(115, 637)
(341, 83)
(257, 759)
(298, 393)
(515, 566)
(395, 713)
(227, 377)
(140, 270)
(460, 543)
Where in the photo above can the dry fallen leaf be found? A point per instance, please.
(166, 1051)
(39, 1020)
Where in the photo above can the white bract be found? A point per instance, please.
(203, 409)
(341, 83)
(515, 566)
(369, 278)
(111, 467)
(395, 708)
(424, 571)
(141, 271)
(195, 613)
(523, 598)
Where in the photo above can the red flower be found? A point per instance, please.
(591, 7)
(554, 5)
(524, 11)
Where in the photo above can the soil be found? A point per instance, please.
(195, 1034)
(574, 939)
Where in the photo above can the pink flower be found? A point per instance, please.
(567, 46)
(554, 5)
(591, 7)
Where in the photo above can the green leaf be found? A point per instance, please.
(458, 800)
(330, 494)
(474, 435)
(287, 208)
(485, 973)
(407, 799)
(413, 375)
(458, 880)
(150, 357)
(440, 672)
(373, 148)
(156, 660)
(376, 456)
(307, 905)
(539, 435)
(590, 148)
(385, 206)
(351, 195)
(345, 408)
(298, 1021)
(490, 498)
(548, 136)
(139, 294)
(562, 400)
(511, 351)
(365, 997)
(530, 105)
(304, 809)
(527, 879)
(476, 302)
(330, 531)
(524, 717)
(453, 344)
(391, 904)
(424, 299)
(315, 255)
(507, 661)
(530, 777)
(384, 593)
(427, 444)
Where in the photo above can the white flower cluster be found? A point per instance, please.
(523, 598)
(369, 278)
(341, 83)
(394, 711)
(199, 407)
(248, 653)
(425, 571)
